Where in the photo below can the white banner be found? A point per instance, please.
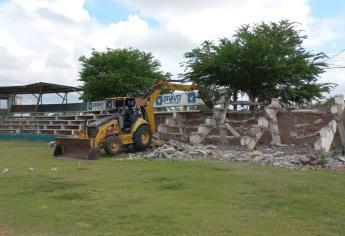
(178, 99)
(96, 106)
(166, 100)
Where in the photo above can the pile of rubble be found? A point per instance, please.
(273, 156)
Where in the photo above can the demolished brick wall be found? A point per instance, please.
(297, 127)
(302, 127)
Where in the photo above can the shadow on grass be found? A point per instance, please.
(218, 168)
(52, 185)
(73, 196)
(169, 184)
(82, 168)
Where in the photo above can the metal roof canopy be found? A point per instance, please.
(38, 88)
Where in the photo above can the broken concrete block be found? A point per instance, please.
(275, 135)
(304, 159)
(308, 135)
(217, 114)
(334, 109)
(211, 121)
(169, 150)
(248, 142)
(263, 122)
(338, 111)
(170, 121)
(339, 99)
(162, 129)
(245, 140)
(232, 130)
(318, 121)
(298, 126)
(275, 104)
(272, 111)
(258, 134)
(333, 125)
(195, 138)
(251, 145)
(326, 137)
(293, 134)
(203, 129)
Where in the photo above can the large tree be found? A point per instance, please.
(262, 60)
(118, 72)
(200, 68)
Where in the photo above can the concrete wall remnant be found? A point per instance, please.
(339, 116)
(319, 129)
(327, 133)
(272, 111)
(326, 137)
(232, 130)
(263, 122)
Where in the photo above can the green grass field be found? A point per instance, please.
(137, 197)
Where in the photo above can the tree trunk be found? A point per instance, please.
(226, 106)
(235, 98)
(225, 111)
(205, 96)
(252, 100)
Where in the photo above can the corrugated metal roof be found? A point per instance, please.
(38, 88)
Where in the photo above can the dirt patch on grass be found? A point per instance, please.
(166, 183)
(5, 231)
(73, 196)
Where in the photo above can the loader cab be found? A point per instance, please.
(122, 106)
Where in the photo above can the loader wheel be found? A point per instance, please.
(112, 145)
(58, 150)
(94, 153)
(142, 137)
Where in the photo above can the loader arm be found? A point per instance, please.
(152, 94)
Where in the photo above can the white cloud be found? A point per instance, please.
(211, 19)
(337, 77)
(121, 34)
(72, 10)
(41, 40)
(324, 31)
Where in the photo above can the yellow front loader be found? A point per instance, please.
(114, 133)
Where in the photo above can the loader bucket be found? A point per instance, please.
(75, 148)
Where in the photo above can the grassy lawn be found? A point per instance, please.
(137, 197)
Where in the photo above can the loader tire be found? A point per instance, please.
(142, 137)
(112, 145)
(58, 151)
(94, 153)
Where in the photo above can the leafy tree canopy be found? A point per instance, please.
(264, 61)
(118, 72)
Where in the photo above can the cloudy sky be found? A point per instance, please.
(41, 40)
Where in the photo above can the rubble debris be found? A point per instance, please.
(318, 121)
(298, 126)
(284, 156)
(155, 142)
(233, 131)
(318, 133)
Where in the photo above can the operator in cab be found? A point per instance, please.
(130, 116)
